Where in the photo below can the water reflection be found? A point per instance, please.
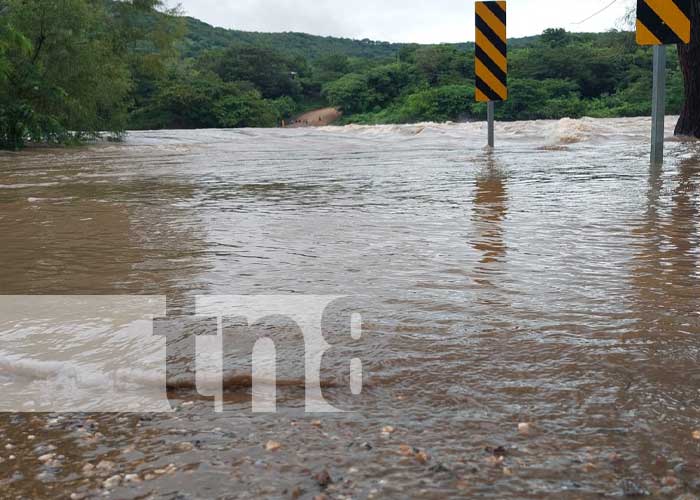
(489, 212)
(665, 275)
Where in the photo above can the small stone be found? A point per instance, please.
(11, 457)
(422, 457)
(112, 482)
(524, 428)
(170, 469)
(132, 478)
(507, 471)
(31, 437)
(387, 430)
(105, 466)
(632, 489)
(316, 423)
(78, 496)
(47, 457)
(462, 485)
(272, 446)
(495, 461)
(321, 497)
(296, 492)
(405, 450)
(88, 467)
(439, 468)
(186, 446)
(366, 446)
(323, 478)
(696, 435)
(9, 446)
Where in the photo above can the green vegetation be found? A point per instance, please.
(77, 69)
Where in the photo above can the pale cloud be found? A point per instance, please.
(400, 20)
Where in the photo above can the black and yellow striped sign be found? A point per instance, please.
(663, 22)
(491, 57)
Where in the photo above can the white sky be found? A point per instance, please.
(421, 21)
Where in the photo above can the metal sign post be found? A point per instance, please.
(658, 107)
(490, 112)
(491, 58)
(661, 23)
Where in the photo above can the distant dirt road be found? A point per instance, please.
(316, 118)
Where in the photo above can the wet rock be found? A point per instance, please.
(439, 468)
(387, 429)
(406, 450)
(272, 446)
(170, 469)
(632, 488)
(500, 451)
(185, 447)
(323, 478)
(112, 482)
(495, 460)
(132, 478)
(524, 429)
(44, 448)
(104, 467)
(422, 457)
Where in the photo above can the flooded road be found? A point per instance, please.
(530, 316)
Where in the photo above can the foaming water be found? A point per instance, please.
(551, 281)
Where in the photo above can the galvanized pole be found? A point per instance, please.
(490, 112)
(658, 107)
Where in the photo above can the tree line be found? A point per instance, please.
(72, 70)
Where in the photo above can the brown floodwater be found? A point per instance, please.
(531, 316)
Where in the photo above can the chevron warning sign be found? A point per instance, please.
(663, 22)
(491, 56)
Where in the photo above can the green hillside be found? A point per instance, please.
(202, 36)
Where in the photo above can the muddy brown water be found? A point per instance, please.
(552, 282)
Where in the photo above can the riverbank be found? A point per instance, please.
(316, 118)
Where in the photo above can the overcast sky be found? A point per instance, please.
(421, 21)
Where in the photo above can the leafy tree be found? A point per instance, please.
(64, 77)
(441, 64)
(351, 93)
(273, 73)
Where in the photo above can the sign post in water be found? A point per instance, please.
(661, 23)
(491, 58)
